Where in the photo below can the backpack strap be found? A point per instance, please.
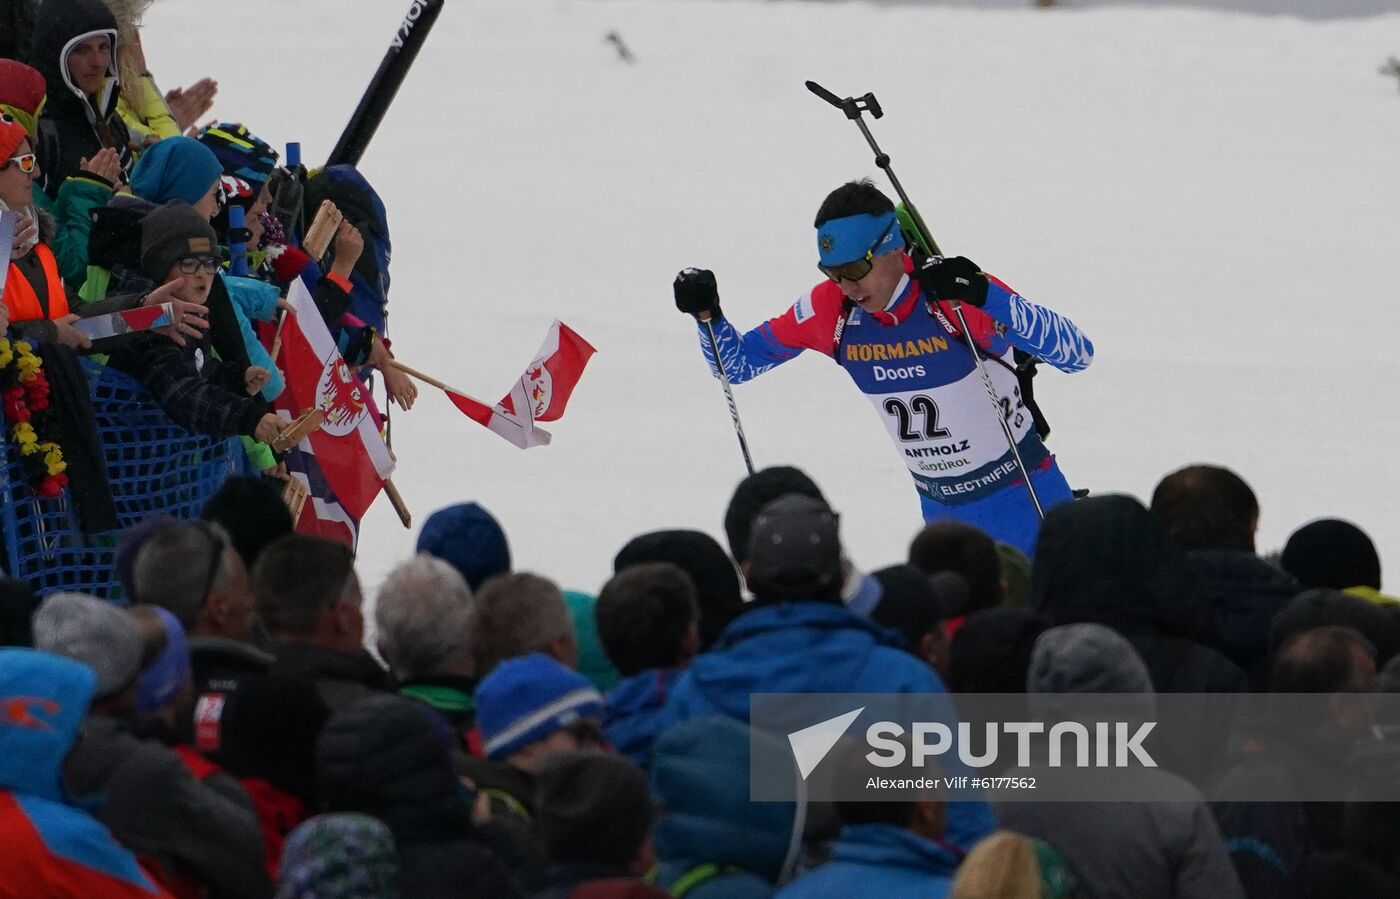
(691, 878)
(515, 805)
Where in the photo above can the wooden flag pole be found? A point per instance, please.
(428, 379)
(277, 337)
(396, 500)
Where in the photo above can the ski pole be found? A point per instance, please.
(854, 108)
(398, 59)
(729, 395)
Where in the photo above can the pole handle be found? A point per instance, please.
(825, 94)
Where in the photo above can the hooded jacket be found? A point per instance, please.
(207, 831)
(388, 757)
(1108, 560)
(73, 125)
(1244, 591)
(809, 647)
(879, 860)
(52, 848)
(635, 712)
(1169, 848)
(709, 834)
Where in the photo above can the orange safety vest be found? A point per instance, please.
(20, 298)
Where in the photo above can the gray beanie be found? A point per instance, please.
(94, 632)
(171, 233)
(1086, 658)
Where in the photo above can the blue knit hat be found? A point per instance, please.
(176, 168)
(468, 538)
(525, 699)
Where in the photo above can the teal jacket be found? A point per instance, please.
(72, 215)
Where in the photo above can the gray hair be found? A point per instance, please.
(517, 614)
(172, 568)
(423, 614)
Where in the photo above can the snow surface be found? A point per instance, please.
(1210, 195)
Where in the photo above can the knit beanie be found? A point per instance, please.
(753, 493)
(1086, 658)
(240, 152)
(94, 632)
(344, 855)
(176, 168)
(593, 807)
(252, 512)
(468, 538)
(527, 698)
(161, 680)
(171, 233)
(22, 92)
(913, 605)
(699, 555)
(1325, 607)
(12, 134)
(1332, 553)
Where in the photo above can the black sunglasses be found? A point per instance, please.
(217, 545)
(854, 271)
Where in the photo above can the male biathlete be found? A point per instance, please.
(889, 320)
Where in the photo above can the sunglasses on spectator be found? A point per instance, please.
(854, 271)
(191, 264)
(27, 163)
(217, 545)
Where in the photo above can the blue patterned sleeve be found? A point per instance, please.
(1039, 331)
(745, 356)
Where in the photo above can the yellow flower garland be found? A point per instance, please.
(34, 385)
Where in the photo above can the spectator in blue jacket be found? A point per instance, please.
(648, 622)
(799, 638)
(52, 847)
(891, 849)
(711, 841)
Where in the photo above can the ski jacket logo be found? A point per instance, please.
(20, 711)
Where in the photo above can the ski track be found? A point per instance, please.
(1210, 195)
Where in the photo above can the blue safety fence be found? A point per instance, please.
(154, 466)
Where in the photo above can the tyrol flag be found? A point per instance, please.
(347, 447)
(539, 395)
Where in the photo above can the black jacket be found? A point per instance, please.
(343, 678)
(388, 757)
(156, 807)
(1108, 560)
(1244, 591)
(71, 128)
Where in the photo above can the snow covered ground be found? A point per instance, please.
(1211, 195)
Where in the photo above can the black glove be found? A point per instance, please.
(696, 292)
(957, 278)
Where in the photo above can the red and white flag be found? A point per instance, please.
(347, 446)
(539, 395)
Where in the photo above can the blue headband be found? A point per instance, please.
(847, 239)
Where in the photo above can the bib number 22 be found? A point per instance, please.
(904, 415)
